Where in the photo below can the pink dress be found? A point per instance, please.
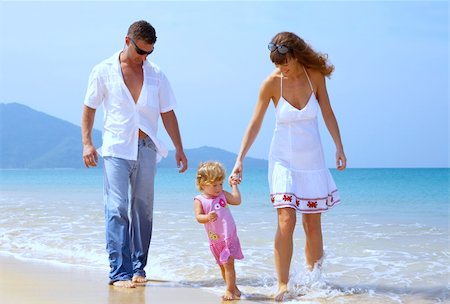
(222, 234)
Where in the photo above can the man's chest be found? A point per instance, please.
(133, 79)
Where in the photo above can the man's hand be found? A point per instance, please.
(90, 156)
(181, 161)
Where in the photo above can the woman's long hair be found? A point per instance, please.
(302, 51)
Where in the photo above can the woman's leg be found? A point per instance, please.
(314, 243)
(283, 248)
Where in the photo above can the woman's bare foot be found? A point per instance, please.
(124, 284)
(229, 295)
(237, 293)
(139, 279)
(282, 290)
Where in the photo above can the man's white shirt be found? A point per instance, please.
(122, 116)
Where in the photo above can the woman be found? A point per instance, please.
(298, 177)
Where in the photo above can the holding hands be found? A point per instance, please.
(234, 180)
(235, 177)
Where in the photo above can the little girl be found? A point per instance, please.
(211, 209)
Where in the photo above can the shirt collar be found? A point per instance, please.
(114, 60)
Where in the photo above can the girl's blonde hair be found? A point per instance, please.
(209, 173)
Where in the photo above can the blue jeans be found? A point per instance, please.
(129, 220)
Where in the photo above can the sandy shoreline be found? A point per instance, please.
(38, 282)
(25, 281)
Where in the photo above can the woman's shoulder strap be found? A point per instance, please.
(309, 80)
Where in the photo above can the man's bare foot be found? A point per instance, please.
(139, 279)
(237, 293)
(229, 296)
(124, 284)
(282, 290)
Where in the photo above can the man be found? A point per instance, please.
(134, 92)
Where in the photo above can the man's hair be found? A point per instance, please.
(142, 30)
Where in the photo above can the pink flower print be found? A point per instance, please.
(287, 198)
(312, 204)
(222, 203)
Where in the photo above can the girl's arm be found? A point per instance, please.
(265, 95)
(330, 120)
(233, 198)
(201, 217)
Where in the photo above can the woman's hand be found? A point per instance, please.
(341, 160)
(236, 174)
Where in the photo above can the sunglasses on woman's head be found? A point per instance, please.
(138, 49)
(282, 49)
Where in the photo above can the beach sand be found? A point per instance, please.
(25, 281)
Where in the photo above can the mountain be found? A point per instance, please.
(33, 139)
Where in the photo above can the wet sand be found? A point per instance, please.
(25, 281)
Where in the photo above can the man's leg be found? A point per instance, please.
(116, 178)
(142, 193)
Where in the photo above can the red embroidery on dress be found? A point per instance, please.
(312, 204)
(272, 198)
(297, 202)
(287, 198)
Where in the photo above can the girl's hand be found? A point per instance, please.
(236, 174)
(234, 180)
(341, 160)
(212, 216)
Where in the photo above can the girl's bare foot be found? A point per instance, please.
(229, 295)
(237, 293)
(124, 284)
(282, 290)
(139, 279)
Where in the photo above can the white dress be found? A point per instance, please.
(298, 176)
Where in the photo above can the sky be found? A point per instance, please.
(389, 90)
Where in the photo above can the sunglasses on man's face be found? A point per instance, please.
(139, 50)
(282, 49)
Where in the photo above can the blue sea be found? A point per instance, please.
(387, 242)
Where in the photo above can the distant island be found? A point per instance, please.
(33, 139)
